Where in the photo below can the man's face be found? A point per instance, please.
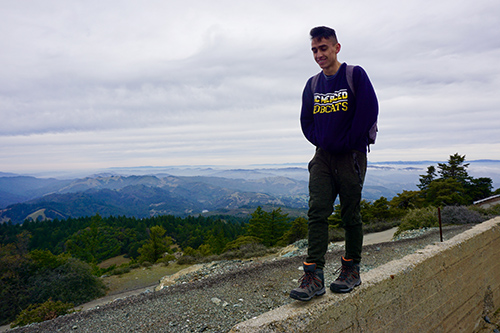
(325, 53)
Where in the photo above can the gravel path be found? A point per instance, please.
(222, 294)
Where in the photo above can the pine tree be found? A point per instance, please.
(426, 179)
(297, 231)
(269, 227)
(455, 168)
(278, 224)
(156, 246)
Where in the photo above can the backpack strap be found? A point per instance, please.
(349, 69)
(348, 72)
(314, 82)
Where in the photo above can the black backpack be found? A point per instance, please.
(372, 133)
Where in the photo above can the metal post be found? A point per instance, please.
(440, 224)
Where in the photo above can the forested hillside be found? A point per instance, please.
(39, 259)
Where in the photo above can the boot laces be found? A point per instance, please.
(345, 272)
(307, 279)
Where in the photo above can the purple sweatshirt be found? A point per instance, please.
(335, 119)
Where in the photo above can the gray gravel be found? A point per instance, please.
(222, 294)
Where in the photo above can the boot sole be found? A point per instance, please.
(320, 292)
(343, 291)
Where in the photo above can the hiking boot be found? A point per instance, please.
(348, 278)
(312, 283)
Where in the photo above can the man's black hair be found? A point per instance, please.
(323, 32)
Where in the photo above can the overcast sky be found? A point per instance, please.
(97, 84)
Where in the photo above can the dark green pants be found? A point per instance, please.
(331, 175)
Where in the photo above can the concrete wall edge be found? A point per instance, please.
(300, 316)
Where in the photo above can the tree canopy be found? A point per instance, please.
(454, 186)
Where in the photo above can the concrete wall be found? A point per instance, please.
(446, 287)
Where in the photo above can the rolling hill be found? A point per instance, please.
(150, 191)
(144, 196)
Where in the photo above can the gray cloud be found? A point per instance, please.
(95, 84)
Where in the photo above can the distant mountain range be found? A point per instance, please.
(144, 192)
(143, 196)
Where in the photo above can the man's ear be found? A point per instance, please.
(337, 48)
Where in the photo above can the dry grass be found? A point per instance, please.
(39, 213)
(114, 261)
(141, 277)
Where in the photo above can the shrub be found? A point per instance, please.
(335, 234)
(297, 231)
(166, 259)
(146, 264)
(419, 218)
(460, 215)
(247, 251)
(36, 313)
(240, 241)
(72, 281)
(494, 210)
(135, 265)
(378, 226)
(186, 260)
(489, 212)
(120, 270)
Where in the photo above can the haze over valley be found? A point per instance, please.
(192, 190)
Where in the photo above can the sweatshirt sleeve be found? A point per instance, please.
(366, 112)
(306, 115)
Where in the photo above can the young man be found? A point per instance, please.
(339, 116)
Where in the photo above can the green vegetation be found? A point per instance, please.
(36, 313)
(46, 265)
(454, 186)
(37, 276)
(297, 231)
(419, 218)
(156, 246)
(269, 227)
